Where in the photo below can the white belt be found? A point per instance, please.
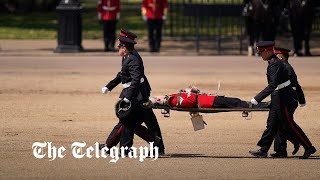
(283, 85)
(108, 8)
(128, 84)
(294, 88)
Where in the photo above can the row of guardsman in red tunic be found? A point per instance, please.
(154, 13)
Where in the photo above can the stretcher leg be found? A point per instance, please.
(247, 115)
(165, 112)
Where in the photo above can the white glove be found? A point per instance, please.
(144, 18)
(104, 90)
(164, 17)
(126, 100)
(303, 105)
(254, 102)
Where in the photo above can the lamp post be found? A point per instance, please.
(69, 26)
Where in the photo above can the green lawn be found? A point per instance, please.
(43, 25)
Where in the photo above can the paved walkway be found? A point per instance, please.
(91, 48)
(169, 47)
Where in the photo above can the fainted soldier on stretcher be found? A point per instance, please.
(192, 97)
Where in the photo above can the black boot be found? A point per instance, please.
(297, 54)
(308, 153)
(279, 154)
(259, 153)
(296, 149)
(307, 53)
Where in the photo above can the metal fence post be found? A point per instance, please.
(219, 30)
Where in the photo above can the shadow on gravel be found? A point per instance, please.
(228, 157)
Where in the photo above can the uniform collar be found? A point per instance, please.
(271, 58)
(126, 56)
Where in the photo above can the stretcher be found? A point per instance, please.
(165, 110)
(197, 119)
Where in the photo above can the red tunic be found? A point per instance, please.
(108, 9)
(206, 101)
(154, 8)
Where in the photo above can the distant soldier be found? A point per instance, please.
(262, 19)
(154, 12)
(109, 14)
(301, 17)
(248, 13)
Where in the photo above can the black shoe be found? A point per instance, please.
(112, 49)
(158, 142)
(308, 153)
(259, 153)
(152, 50)
(297, 54)
(307, 53)
(296, 149)
(279, 154)
(161, 152)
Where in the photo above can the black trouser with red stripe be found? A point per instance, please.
(133, 123)
(120, 134)
(280, 141)
(152, 124)
(283, 119)
(125, 136)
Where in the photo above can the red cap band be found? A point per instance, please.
(125, 35)
(265, 48)
(281, 51)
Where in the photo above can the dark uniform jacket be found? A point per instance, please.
(294, 82)
(276, 74)
(132, 72)
(135, 52)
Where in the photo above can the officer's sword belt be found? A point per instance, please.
(128, 84)
(283, 85)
